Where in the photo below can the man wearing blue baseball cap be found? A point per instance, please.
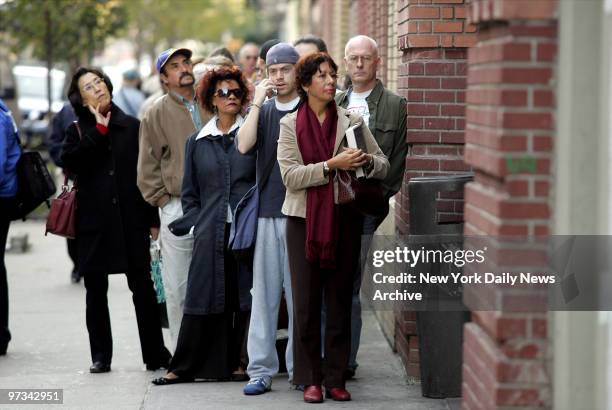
(260, 132)
(163, 133)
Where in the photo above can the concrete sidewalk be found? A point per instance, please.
(50, 349)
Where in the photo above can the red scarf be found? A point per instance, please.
(316, 144)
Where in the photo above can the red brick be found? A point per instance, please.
(416, 68)
(442, 150)
(417, 150)
(417, 12)
(527, 9)
(455, 54)
(453, 110)
(424, 82)
(460, 96)
(518, 188)
(442, 69)
(447, 13)
(423, 136)
(446, 41)
(527, 120)
(422, 164)
(415, 96)
(424, 26)
(417, 40)
(439, 123)
(448, 26)
(542, 188)
(439, 96)
(461, 69)
(448, 1)
(414, 123)
(452, 138)
(543, 98)
(541, 230)
(526, 75)
(546, 52)
(518, 397)
(471, 28)
(412, 27)
(548, 30)
(423, 109)
(539, 328)
(454, 83)
(454, 165)
(465, 40)
(460, 12)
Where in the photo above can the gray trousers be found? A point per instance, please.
(270, 277)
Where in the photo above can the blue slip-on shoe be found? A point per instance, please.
(256, 386)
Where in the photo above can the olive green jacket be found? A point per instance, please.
(388, 125)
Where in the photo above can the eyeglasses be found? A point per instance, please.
(226, 92)
(93, 85)
(355, 59)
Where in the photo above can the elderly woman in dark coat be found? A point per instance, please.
(113, 220)
(211, 342)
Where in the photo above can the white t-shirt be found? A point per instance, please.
(358, 105)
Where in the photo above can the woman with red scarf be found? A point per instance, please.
(323, 239)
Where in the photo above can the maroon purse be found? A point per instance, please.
(62, 215)
(61, 220)
(363, 194)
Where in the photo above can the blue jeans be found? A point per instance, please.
(270, 277)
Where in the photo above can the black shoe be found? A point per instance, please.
(163, 381)
(349, 374)
(99, 367)
(75, 276)
(163, 363)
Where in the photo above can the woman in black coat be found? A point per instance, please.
(211, 342)
(113, 220)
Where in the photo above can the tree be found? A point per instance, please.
(163, 23)
(69, 31)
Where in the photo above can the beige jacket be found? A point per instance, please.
(297, 176)
(164, 130)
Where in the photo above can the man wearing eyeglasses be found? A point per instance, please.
(163, 133)
(385, 114)
(271, 276)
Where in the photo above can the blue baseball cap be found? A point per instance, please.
(165, 55)
(282, 53)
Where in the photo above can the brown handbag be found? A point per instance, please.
(363, 194)
(61, 220)
(62, 215)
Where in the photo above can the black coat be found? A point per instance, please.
(113, 219)
(215, 174)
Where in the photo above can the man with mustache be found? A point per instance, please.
(163, 133)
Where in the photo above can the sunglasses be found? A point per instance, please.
(225, 92)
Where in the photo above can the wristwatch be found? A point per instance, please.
(325, 169)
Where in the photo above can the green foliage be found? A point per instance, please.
(165, 22)
(78, 28)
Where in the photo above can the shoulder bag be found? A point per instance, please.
(61, 220)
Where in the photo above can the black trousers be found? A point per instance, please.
(5, 335)
(310, 284)
(147, 317)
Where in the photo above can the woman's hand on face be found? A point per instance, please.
(262, 90)
(100, 119)
(348, 159)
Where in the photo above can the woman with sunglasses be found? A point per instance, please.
(323, 239)
(211, 342)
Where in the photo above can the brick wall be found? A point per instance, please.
(509, 137)
(433, 36)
